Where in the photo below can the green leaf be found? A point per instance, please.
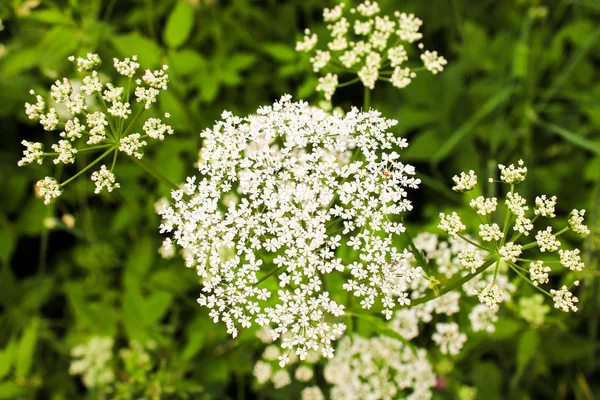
(526, 349)
(147, 51)
(140, 259)
(156, 306)
(6, 357)
(187, 61)
(569, 136)
(27, 348)
(466, 128)
(242, 61)
(7, 243)
(280, 52)
(10, 390)
(488, 379)
(50, 16)
(179, 24)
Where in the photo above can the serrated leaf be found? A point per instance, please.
(179, 24)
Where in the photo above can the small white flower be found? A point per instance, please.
(97, 122)
(281, 379)
(397, 55)
(327, 85)
(516, 203)
(155, 128)
(50, 120)
(73, 129)
(471, 259)
(308, 42)
(564, 299)
(334, 14)
(402, 77)
(576, 222)
(538, 273)
(66, 152)
(545, 206)
(132, 145)
(433, 62)
(34, 152)
(88, 63)
(262, 372)
(157, 79)
(303, 373)
(127, 67)
(490, 232)
(104, 179)
(35, 111)
(320, 60)
(465, 182)
(483, 206)
(510, 251)
(547, 241)
(49, 189)
(312, 393)
(409, 27)
(61, 91)
(571, 259)
(491, 296)
(91, 84)
(483, 319)
(513, 174)
(449, 338)
(451, 224)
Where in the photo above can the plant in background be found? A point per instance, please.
(366, 44)
(96, 116)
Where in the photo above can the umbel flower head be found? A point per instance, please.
(499, 243)
(306, 183)
(90, 115)
(372, 46)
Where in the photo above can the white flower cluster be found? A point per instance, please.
(502, 244)
(449, 338)
(90, 112)
(379, 368)
(93, 362)
(299, 197)
(369, 45)
(267, 369)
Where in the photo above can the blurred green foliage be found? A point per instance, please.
(523, 81)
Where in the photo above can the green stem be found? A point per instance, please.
(133, 121)
(513, 267)
(367, 99)
(453, 285)
(348, 83)
(114, 161)
(107, 152)
(155, 173)
(466, 239)
(268, 275)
